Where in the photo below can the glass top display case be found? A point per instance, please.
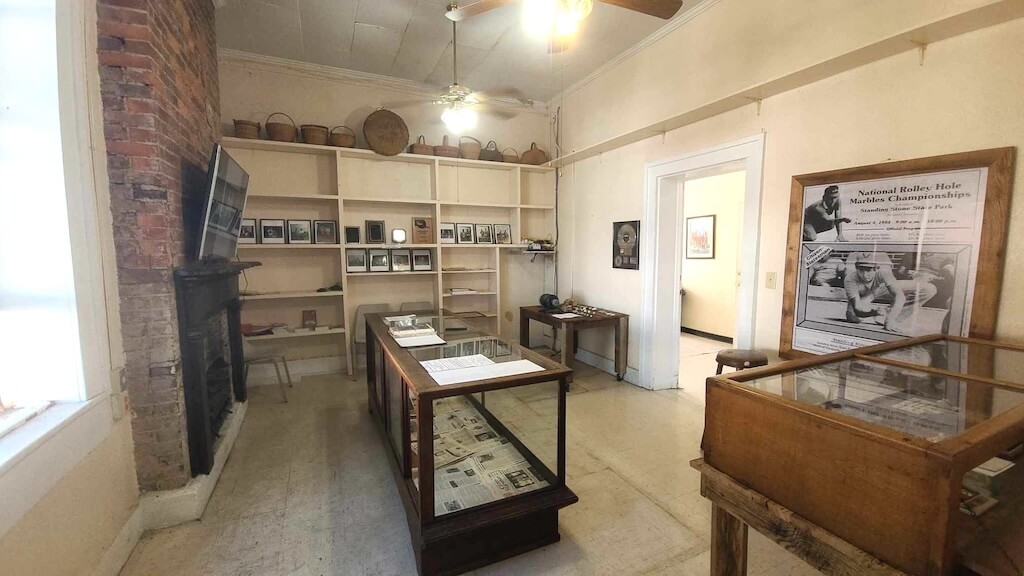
(909, 450)
(476, 431)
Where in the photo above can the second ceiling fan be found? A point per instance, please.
(660, 8)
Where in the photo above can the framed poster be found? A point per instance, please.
(890, 251)
(700, 237)
(626, 245)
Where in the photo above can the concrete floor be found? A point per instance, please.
(308, 491)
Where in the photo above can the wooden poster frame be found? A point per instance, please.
(995, 223)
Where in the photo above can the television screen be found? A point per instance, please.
(222, 214)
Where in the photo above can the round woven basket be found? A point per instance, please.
(280, 131)
(386, 132)
(512, 157)
(469, 148)
(343, 139)
(491, 153)
(247, 129)
(314, 134)
(534, 156)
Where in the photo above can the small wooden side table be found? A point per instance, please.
(569, 326)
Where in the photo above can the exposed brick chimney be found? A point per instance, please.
(161, 115)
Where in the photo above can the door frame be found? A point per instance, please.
(661, 260)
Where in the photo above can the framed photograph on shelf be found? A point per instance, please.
(300, 232)
(352, 234)
(355, 260)
(325, 232)
(401, 260)
(375, 232)
(484, 234)
(379, 260)
(247, 232)
(271, 231)
(447, 230)
(700, 237)
(464, 234)
(309, 319)
(502, 234)
(422, 230)
(422, 260)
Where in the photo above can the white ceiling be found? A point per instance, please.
(411, 39)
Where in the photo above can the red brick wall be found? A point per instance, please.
(158, 68)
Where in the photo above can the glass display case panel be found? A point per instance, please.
(395, 396)
(927, 406)
(968, 358)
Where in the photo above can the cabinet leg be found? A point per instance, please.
(728, 544)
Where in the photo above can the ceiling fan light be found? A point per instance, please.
(458, 119)
(566, 25)
(539, 17)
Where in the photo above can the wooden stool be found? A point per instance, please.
(740, 359)
(276, 360)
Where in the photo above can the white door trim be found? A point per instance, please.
(661, 258)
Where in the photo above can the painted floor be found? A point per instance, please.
(308, 491)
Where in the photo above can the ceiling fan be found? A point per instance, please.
(664, 9)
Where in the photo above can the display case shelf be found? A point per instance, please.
(287, 295)
(407, 273)
(289, 246)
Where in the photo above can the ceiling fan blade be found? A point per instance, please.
(499, 111)
(475, 8)
(396, 104)
(661, 8)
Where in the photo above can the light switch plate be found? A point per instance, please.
(770, 280)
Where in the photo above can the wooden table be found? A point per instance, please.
(568, 328)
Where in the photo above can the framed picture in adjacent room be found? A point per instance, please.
(325, 232)
(300, 232)
(355, 260)
(464, 234)
(247, 232)
(422, 260)
(271, 231)
(626, 245)
(484, 234)
(375, 232)
(700, 237)
(447, 230)
(380, 260)
(502, 234)
(401, 260)
(352, 234)
(422, 230)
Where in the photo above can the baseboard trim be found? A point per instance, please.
(264, 374)
(707, 335)
(606, 365)
(117, 554)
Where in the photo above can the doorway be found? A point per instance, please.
(662, 260)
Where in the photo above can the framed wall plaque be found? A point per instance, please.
(626, 245)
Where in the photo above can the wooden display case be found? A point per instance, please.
(497, 472)
(873, 444)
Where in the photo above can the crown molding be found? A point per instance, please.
(658, 34)
(355, 77)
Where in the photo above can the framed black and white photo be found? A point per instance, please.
(325, 232)
(223, 217)
(464, 234)
(375, 232)
(271, 231)
(447, 230)
(355, 260)
(502, 234)
(352, 234)
(626, 245)
(247, 232)
(422, 260)
(380, 260)
(300, 232)
(700, 237)
(484, 234)
(401, 260)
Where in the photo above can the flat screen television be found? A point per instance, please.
(222, 211)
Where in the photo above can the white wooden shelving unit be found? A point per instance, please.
(309, 182)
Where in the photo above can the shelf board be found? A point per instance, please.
(274, 146)
(472, 245)
(536, 207)
(479, 204)
(409, 273)
(391, 246)
(287, 295)
(295, 335)
(289, 246)
(485, 271)
(331, 197)
(388, 201)
(447, 295)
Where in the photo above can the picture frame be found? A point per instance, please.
(325, 232)
(422, 260)
(700, 237)
(272, 231)
(309, 319)
(375, 232)
(352, 234)
(300, 232)
(247, 231)
(484, 234)
(422, 230)
(447, 232)
(380, 260)
(626, 245)
(502, 234)
(355, 260)
(401, 260)
(399, 236)
(464, 234)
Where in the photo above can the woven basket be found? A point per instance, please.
(341, 139)
(469, 148)
(446, 150)
(420, 146)
(491, 153)
(385, 132)
(511, 157)
(280, 131)
(247, 129)
(534, 156)
(314, 134)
